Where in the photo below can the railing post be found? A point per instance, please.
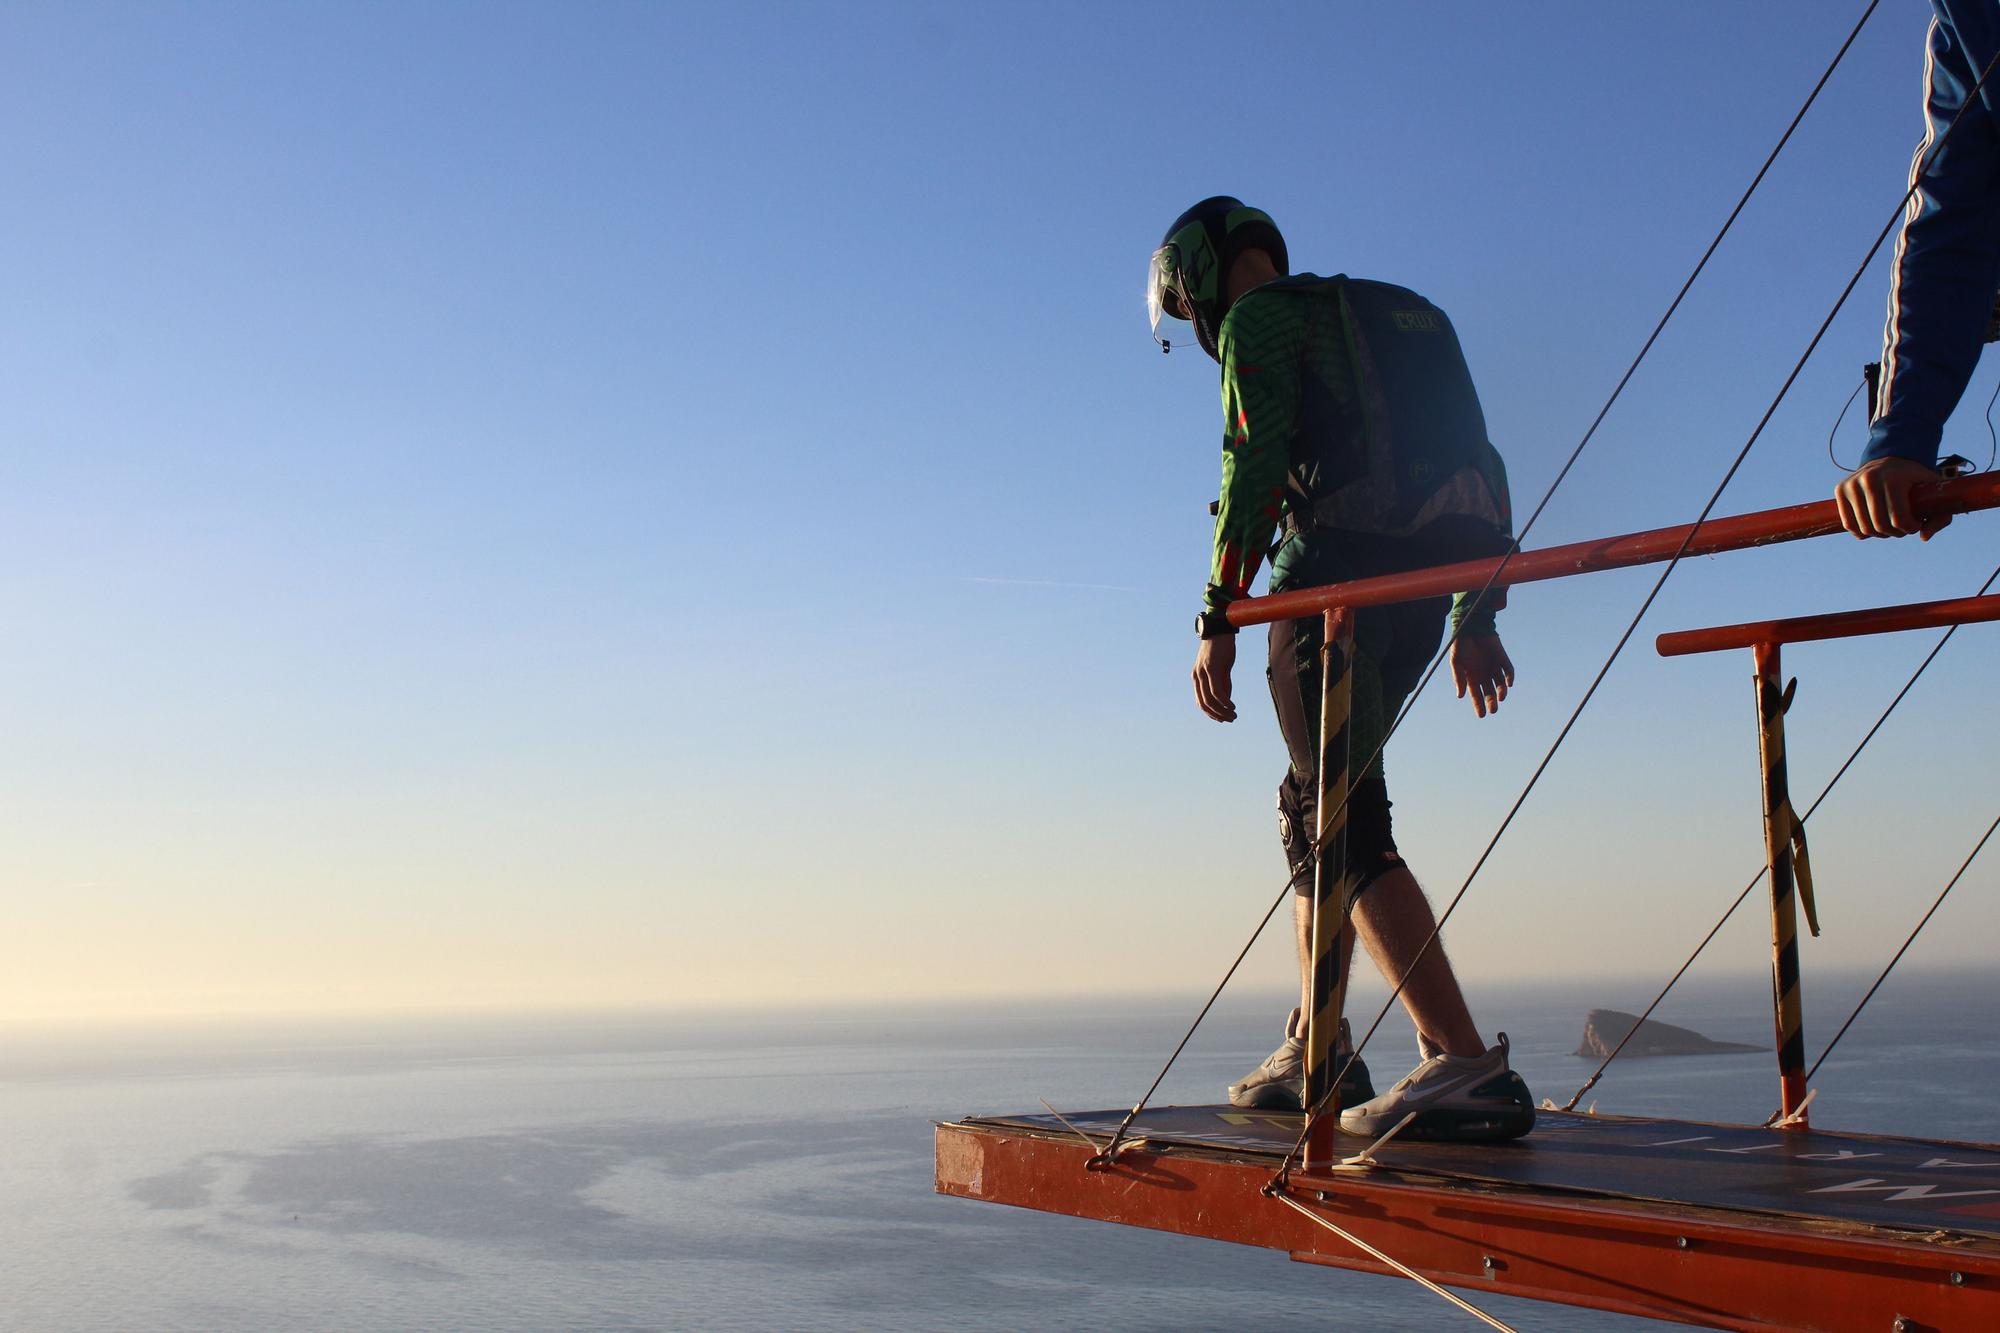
(1330, 885)
(1787, 1003)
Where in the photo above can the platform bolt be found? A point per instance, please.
(1682, 1242)
(1902, 1325)
(1324, 1197)
(1958, 1279)
(1487, 1261)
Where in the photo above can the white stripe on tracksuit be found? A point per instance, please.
(1892, 330)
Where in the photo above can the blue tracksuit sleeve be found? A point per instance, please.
(1947, 260)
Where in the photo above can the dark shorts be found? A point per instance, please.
(1393, 645)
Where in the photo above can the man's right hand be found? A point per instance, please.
(1874, 500)
(1479, 664)
(1212, 666)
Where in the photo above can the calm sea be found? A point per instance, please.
(678, 1172)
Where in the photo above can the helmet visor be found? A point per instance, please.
(1164, 297)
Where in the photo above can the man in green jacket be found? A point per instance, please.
(1350, 421)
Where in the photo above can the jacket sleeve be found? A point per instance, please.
(1470, 613)
(1947, 260)
(1259, 346)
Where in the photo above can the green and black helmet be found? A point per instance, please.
(1194, 258)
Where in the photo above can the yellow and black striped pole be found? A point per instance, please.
(1330, 885)
(1780, 824)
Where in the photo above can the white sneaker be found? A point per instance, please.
(1470, 1099)
(1279, 1083)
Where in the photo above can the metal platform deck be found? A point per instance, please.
(1718, 1225)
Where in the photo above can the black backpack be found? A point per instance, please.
(1406, 455)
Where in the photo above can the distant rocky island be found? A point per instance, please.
(1603, 1029)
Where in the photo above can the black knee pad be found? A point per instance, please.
(1371, 845)
(1295, 831)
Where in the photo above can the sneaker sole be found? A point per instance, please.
(1504, 1110)
(1265, 1097)
(1279, 1097)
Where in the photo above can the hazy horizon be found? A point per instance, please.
(1825, 990)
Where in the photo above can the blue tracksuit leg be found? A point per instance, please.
(1947, 260)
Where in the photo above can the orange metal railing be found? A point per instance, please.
(1936, 499)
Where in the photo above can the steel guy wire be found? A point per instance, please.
(1402, 1268)
(1962, 868)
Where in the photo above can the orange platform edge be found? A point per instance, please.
(1712, 1267)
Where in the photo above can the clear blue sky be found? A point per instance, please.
(675, 503)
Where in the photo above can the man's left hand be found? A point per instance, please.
(1480, 665)
(1874, 500)
(1212, 666)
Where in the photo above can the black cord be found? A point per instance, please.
(1993, 451)
(1993, 438)
(1842, 417)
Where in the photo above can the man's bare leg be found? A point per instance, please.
(1467, 1093)
(1276, 1082)
(1302, 929)
(1394, 919)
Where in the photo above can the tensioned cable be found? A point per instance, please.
(1513, 549)
(1110, 1153)
(1402, 1268)
(1758, 878)
(1963, 867)
(1647, 605)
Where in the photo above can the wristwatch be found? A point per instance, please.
(1213, 624)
